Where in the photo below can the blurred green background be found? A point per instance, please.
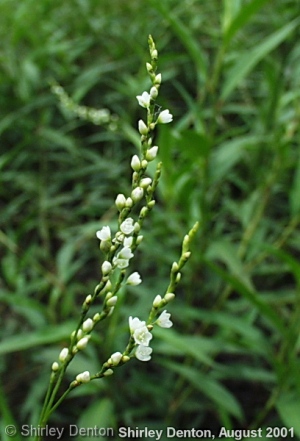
(231, 77)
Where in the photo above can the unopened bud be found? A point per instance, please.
(169, 297)
(136, 163)
(137, 194)
(120, 202)
(157, 301)
(112, 301)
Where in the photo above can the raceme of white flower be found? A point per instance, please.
(118, 245)
(95, 116)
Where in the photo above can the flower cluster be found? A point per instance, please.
(119, 249)
(141, 334)
(95, 116)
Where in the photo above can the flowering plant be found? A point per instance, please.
(118, 250)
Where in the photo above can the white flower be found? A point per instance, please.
(135, 163)
(87, 325)
(104, 233)
(164, 320)
(121, 263)
(127, 242)
(125, 253)
(144, 100)
(135, 323)
(164, 117)
(134, 279)
(127, 226)
(142, 336)
(151, 153)
(143, 129)
(84, 377)
(106, 267)
(63, 354)
(142, 353)
(123, 257)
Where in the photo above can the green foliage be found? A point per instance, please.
(231, 160)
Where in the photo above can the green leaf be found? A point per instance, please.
(246, 62)
(209, 387)
(226, 252)
(266, 310)
(186, 37)
(200, 348)
(228, 154)
(288, 406)
(295, 191)
(43, 336)
(100, 415)
(234, 22)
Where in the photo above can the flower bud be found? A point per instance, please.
(149, 67)
(84, 377)
(144, 212)
(63, 354)
(139, 239)
(135, 163)
(82, 343)
(169, 297)
(157, 301)
(96, 317)
(153, 92)
(112, 301)
(87, 325)
(157, 79)
(143, 129)
(129, 203)
(108, 372)
(116, 358)
(145, 182)
(88, 299)
(137, 194)
(106, 267)
(151, 153)
(154, 54)
(175, 267)
(55, 366)
(120, 202)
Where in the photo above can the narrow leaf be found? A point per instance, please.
(248, 61)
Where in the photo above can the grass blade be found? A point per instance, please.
(247, 61)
